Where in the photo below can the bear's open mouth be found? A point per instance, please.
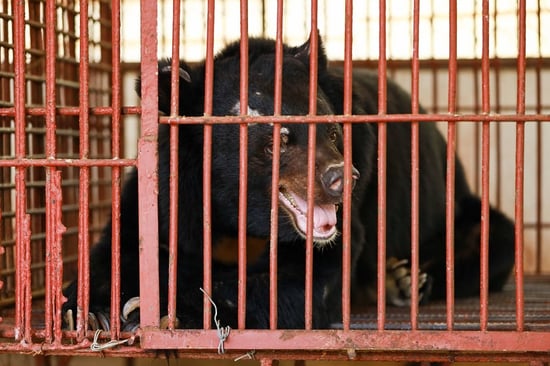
(324, 216)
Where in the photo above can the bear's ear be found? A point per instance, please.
(165, 74)
(165, 80)
(302, 53)
(167, 69)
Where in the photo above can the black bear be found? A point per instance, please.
(293, 204)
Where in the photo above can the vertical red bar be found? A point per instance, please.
(2, 252)
(415, 167)
(54, 228)
(207, 164)
(539, 185)
(115, 171)
(243, 165)
(346, 214)
(277, 106)
(174, 172)
(520, 161)
(50, 106)
(485, 158)
(55, 252)
(312, 131)
(147, 163)
(22, 219)
(451, 167)
(83, 300)
(382, 159)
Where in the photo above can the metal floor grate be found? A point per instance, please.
(502, 311)
(432, 316)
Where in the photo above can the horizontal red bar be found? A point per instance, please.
(71, 111)
(67, 162)
(358, 118)
(338, 340)
(83, 349)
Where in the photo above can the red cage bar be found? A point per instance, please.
(512, 326)
(174, 138)
(243, 166)
(382, 165)
(84, 237)
(451, 168)
(147, 163)
(346, 215)
(207, 164)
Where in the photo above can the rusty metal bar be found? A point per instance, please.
(520, 169)
(451, 168)
(70, 111)
(22, 219)
(174, 169)
(54, 265)
(243, 166)
(54, 197)
(539, 186)
(382, 163)
(496, 69)
(51, 52)
(374, 355)
(61, 163)
(207, 165)
(83, 299)
(50, 149)
(348, 162)
(485, 160)
(116, 103)
(312, 128)
(277, 106)
(415, 167)
(371, 355)
(175, 75)
(309, 242)
(386, 118)
(147, 170)
(173, 224)
(2, 252)
(395, 341)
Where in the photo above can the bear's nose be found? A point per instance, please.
(333, 180)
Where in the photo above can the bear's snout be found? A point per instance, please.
(333, 180)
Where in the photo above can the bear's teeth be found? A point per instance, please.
(291, 200)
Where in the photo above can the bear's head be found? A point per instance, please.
(293, 173)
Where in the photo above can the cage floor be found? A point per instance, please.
(432, 316)
(501, 314)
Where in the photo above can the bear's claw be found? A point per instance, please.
(129, 318)
(129, 307)
(399, 282)
(99, 320)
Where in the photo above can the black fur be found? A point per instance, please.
(327, 257)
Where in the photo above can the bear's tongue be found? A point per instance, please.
(324, 216)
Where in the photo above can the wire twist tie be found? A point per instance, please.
(223, 332)
(97, 347)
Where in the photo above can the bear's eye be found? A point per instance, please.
(269, 147)
(284, 141)
(333, 135)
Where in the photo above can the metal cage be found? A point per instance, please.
(61, 126)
